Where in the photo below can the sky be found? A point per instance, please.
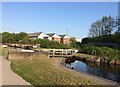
(55, 17)
(60, 0)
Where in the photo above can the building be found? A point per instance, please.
(64, 39)
(51, 37)
(38, 35)
(79, 40)
(54, 37)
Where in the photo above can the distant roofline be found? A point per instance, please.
(51, 33)
(34, 34)
(63, 35)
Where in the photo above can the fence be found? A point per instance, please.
(60, 53)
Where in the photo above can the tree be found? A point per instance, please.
(118, 26)
(73, 43)
(95, 29)
(24, 40)
(7, 37)
(20, 36)
(15, 38)
(109, 24)
(105, 26)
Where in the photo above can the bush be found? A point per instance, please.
(92, 50)
(112, 41)
(110, 54)
(107, 53)
(51, 44)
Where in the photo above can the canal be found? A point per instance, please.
(111, 72)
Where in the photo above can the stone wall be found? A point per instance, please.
(20, 55)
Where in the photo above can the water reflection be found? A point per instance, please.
(110, 72)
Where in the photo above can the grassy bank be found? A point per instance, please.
(4, 51)
(82, 55)
(47, 71)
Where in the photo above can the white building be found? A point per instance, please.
(54, 37)
(38, 35)
(78, 40)
(51, 36)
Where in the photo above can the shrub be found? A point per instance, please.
(51, 44)
(107, 53)
(93, 50)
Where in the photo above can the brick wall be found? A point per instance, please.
(65, 40)
(56, 39)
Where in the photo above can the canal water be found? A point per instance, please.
(110, 72)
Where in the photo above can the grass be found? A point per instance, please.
(83, 55)
(4, 51)
(47, 71)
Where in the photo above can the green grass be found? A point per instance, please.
(83, 55)
(45, 71)
(4, 51)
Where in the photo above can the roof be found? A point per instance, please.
(34, 34)
(63, 36)
(51, 34)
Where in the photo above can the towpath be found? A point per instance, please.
(8, 76)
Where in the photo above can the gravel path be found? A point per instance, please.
(8, 76)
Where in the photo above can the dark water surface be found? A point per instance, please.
(110, 72)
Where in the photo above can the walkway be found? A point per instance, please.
(8, 76)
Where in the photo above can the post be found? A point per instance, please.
(62, 53)
(65, 52)
(48, 53)
(53, 52)
(8, 56)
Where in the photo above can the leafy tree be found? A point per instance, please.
(43, 43)
(105, 26)
(95, 29)
(101, 33)
(7, 37)
(32, 41)
(24, 40)
(22, 36)
(118, 26)
(15, 38)
(73, 43)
